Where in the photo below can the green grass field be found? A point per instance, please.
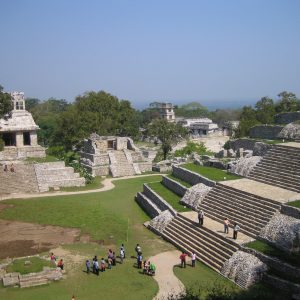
(168, 195)
(114, 218)
(36, 265)
(210, 172)
(293, 259)
(294, 203)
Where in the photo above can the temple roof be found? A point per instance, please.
(19, 121)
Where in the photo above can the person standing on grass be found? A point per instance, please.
(226, 225)
(236, 229)
(183, 259)
(193, 259)
(200, 217)
(123, 248)
(138, 249)
(121, 255)
(114, 259)
(88, 266)
(139, 260)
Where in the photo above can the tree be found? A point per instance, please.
(287, 102)
(191, 110)
(32, 103)
(6, 105)
(265, 110)
(167, 133)
(248, 120)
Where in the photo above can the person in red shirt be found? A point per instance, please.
(183, 259)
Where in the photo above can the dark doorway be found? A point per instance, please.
(26, 139)
(110, 144)
(9, 138)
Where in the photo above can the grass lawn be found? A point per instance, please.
(202, 280)
(210, 172)
(168, 195)
(293, 259)
(294, 203)
(95, 184)
(36, 265)
(184, 183)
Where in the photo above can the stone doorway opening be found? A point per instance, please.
(26, 139)
(9, 138)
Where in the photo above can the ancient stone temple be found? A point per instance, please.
(118, 156)
(19, 132)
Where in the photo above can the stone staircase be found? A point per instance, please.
(120, 164)
(23, 180)
(32, 280)
(211, 248)
(250, 211)
(279, 167)
(56, 174)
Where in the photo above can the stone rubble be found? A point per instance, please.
(244, 165)
(243, 268)
(194, 195)
(284, 231)
(290, 131)
(161, 221)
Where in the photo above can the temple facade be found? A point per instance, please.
(19, 132)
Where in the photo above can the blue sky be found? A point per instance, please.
(220, 53)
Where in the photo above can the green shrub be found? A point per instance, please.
(192, 147)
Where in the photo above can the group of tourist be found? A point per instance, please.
(183, 257)
(59, 264)
(236, 227)
(96, 267)
(11, 168)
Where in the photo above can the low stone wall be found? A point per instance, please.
(288, 117)
(246, 144)
(191, 177)
(265, 131)
(290, 211)
(151, 210)
(157, 200)
(145, 166)
(274, 263)
(281, 284)
(174, 186)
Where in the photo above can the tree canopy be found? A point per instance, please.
(6, 104)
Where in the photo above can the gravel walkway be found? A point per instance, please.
(168, 283)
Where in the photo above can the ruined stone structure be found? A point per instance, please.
(118, 156)
(200, 127)
(166, 110)
(19, 132)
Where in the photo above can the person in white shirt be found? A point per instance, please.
(193, 259)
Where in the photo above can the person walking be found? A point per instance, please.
(236, 229)
(193, 259)
(121, 255)
(226, 225)
(183, 259)
(200, 217)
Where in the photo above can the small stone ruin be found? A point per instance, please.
(243, 268)
(284, 232)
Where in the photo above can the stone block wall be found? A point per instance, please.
(265, 131)
(145, 166)
(151, 210)
(288, 117)
(174, 186)
(191, 177)
(157, 200)
(246, 144)
(281, 284)
(290, 211)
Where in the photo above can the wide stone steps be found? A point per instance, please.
(245, 207)
(283, 162)
(270, 203)
(33, 280)
(243, 211)
(293, 171)
(209, 247)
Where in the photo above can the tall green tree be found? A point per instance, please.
(288, 102)
(6, 104)
(265, 110)
(191, 110)
(167, 133)
(247, 120)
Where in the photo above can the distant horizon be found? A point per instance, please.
(221, 53)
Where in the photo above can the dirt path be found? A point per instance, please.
(107, 185)
(168, 283)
